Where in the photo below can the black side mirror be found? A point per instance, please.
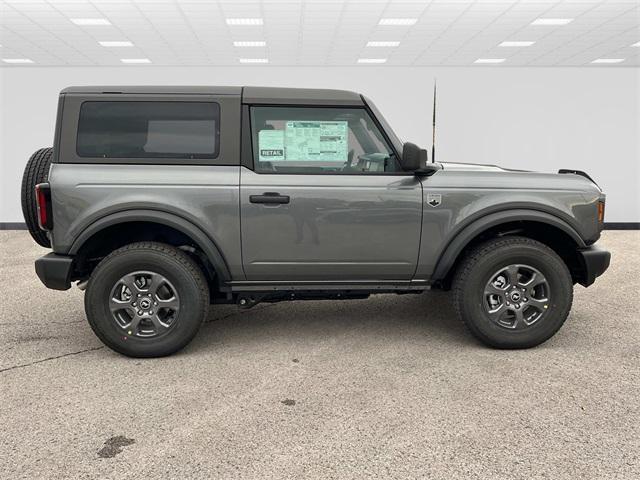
(414, 158)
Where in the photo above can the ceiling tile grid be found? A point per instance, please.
(320, 32)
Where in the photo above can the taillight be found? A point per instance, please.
(601, 211)
(43, 203)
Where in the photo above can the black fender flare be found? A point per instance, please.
(461, 239)
(206, 244)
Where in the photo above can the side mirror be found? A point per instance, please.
(414, 158)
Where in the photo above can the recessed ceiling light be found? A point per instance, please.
(135, 60)
(250, 44)
(608, 60)
(490, 60)
(244, 21)
(91, 21)
(383, 44)
(254, 60)
(397, 21)
(116, 44)
(516, 44)
(552, 21)
(372, 60)
(17, 60)
(637, 44)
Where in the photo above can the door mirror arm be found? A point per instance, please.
(428, 170)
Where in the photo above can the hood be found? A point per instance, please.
(564, 178)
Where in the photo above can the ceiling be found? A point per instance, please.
(319, 32)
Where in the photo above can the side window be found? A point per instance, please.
(318, 140)
(139, 129)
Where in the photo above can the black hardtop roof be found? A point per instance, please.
(253, 95)
(306, 96)
(154, 90)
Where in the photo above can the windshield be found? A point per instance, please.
(397, 143)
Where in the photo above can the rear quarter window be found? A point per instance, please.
(148, 129)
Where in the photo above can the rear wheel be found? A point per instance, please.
(513, 292)
(146, 300)
(36, 171)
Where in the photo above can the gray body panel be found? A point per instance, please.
(470, 195)
(336, 227)
(206, 196)
(351, 227)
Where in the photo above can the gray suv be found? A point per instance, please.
(163, 201)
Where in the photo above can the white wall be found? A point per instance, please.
(529, 118)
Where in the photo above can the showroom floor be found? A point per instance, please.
(390, 387)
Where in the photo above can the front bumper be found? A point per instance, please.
(55, 271)
(594, 263)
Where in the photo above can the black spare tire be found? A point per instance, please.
(36, 171)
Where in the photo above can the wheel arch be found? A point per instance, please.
(138, 219)
(542, 226)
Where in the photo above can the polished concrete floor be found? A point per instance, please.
(390, 387)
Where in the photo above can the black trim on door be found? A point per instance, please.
(270, 198)
(246, 145)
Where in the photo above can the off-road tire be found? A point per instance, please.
(36, 171)
(173, 264)
(476, 270)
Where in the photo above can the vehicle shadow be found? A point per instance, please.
(427, 318)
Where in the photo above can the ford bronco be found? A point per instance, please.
(162, 201)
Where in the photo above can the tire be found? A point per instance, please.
(506, 313)
(176, 280)
(36, 171)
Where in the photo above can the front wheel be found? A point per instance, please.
(513, 292)
(146, 300)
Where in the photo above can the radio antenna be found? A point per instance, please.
(433, 140)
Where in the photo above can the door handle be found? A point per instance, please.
(272, 198)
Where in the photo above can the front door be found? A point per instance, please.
(326, 199)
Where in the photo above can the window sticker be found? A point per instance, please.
(316, 140)
(271, 145)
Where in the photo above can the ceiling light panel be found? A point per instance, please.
(375, 43)
(397, 21)
(490, 60)
(372, 60)
(119, 43)
(17, 60)
(552, 21)
(245, 22)
(256, 43)
(516, 43)
(135, 60)
(608, 60)
(254, 60)
(90, 21)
